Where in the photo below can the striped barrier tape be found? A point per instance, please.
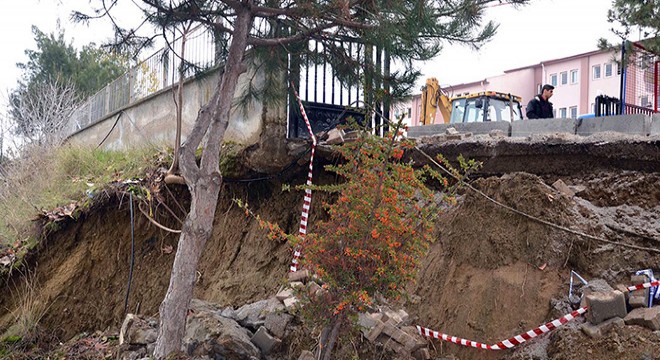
(307, 201)
(508, 343)
(643, 286)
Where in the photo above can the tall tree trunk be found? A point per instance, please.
(204, 183)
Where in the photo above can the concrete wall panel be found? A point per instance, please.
(477, 128)
(655, 125)
(525, 128)
(628, 124)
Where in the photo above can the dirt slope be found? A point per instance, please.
(490, 275)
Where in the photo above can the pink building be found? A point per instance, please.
(577, 79)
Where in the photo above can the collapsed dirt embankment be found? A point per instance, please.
(491, 273)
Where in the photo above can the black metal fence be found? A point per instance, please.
(329, 101)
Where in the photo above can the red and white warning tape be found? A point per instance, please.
(508, 343)
(644, 286)
(307, 202)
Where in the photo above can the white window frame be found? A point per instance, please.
(572, 112)
(553, 79)
(594, 72)
(611, 66)
(562, 113)
(577, 76)
(563, 77)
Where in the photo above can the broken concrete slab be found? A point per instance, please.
(372, 333)
(290, 303)
(284, 294)
(276, 323)
(335, 137)
(422, 354)
(301, 275)
(306, 355)
(564, 189)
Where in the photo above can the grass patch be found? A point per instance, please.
(45, 178)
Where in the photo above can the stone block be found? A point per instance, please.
(396, 347)
(306, 355)
(393, 317)
(265, 341)
(646, 317)
(284, 294)
(373, 333)
(638, 301)
(290, 303)
(623, 289)
(605, 305)
(561, 186)
(597, 331)
(497, 134)
(418, 340)
(335, 137)
(300, 275)
(451, 131)
(312, 288)
(296, 284)
(276, 323)
(422, 354)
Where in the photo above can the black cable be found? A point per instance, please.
(109, 132)
(130, 270)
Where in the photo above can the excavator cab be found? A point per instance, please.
(485, 106)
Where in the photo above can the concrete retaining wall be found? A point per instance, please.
(638, 124)
(153, 119)
(525, 128)
(628, 124)
(655, 125)
(476, 128)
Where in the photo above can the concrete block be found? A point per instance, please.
(396, 347)
(393, 317)
(637, 301)
(373, 333)
(597, 331)
(624, 290)
(422, 354)
(561, 186)
(306, 355)
(300, 275)
(476, 128)
(284, 294)
(605, 305)
(296, 284)
(637, 124)
(655, 125)
(290, 303)
(451, 131)
(312, 288)
(265, 341)
(276, 323)
(525, 128)
(335, 137)
(646, 317)
(417, 342)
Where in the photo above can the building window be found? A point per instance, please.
(562, 113)
(595, 70)
(410, 111)
(608, 69)
(564, 78)
(553, 79)
(574, 76)
(573, 111)
(644, 101)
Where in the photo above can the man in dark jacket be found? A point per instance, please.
(539, 107)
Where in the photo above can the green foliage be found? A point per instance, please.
(636, 18)
(56, 70)
(377, 231)
(46, 178)
(55, 59)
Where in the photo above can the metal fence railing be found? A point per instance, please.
(149, 76)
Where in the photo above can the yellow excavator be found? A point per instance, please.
(474, 107)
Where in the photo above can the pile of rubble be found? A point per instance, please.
(610, 308)
(256, 330)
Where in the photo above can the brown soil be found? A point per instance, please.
(491, 273)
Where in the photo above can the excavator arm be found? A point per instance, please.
(434, 98)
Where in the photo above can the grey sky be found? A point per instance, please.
(546, 29)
